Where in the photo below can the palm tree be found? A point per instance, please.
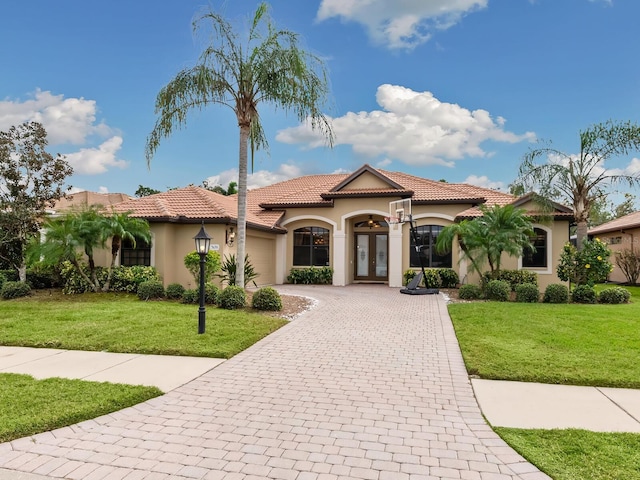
(582, 179)
(119, 227)
(501, 229)
(269, 67)
(88, 233)
(467, 235)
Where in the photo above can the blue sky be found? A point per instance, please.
(444, 89)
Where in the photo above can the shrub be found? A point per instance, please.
(11, 275)
(3, 278)
(628, 260)
(614, 295)
(174, 291)
(514, 277)
(497, 290)
(527, 293)
(229, 267)
(449, 277)
(556, 293)
(127, 279)
(211, 293)
(311, 275)
(232, 297)
(153, 289)
(15, 290)
(190, 296)
(408, 276)
(211, 265)
(43, 276)
(267, 298)
(584, 294)
(470, 291)
(72, 281)
(588, 266)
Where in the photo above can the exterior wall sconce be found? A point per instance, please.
(230, 236)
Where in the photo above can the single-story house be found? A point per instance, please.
(620, 234)
(335, 220)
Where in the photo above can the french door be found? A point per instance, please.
(371, 256)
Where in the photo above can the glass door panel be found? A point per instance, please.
(362, 255)
(381, 256)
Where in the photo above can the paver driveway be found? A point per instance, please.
(370, 384)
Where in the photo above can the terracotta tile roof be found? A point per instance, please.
(305, 190)
(627, 222)
(195, 204)
(86, 197)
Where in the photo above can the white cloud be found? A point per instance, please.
(67, 120)
(400, 23)
(483, 181)
(413, 127)
(92, 161)
(261, 178)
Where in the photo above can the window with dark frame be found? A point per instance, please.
(311, 247)
(427, 236)
(537, 259)
(140, 255)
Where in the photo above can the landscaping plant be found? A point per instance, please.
(15, 290)
(267, 298)
(584, 294)
(614, 295)
(588, 266)
(556, 293)
(527, 293)
(469, 291)
(497, 290)
(232, 297)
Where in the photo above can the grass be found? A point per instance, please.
(32, 406)
(122, 323)
(578, 454)
(561, 344)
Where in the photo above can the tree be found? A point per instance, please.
(32, 180)
(269, 67)
(582, 178)
(501, 229)
(119, 227)
(231, 189)
(211, 265)
(143, 191)
(627, 206)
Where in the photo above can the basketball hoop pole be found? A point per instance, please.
(414, 235)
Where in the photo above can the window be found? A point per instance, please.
(311, 247)
(141, 255)
(427, 235)
(615, 240)
(537, 259)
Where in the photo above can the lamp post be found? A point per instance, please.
(203, 242)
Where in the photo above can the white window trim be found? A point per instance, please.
(549, 269)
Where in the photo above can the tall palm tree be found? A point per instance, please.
(267, 67)
(119, 227)
(582, 179)
(468, 237)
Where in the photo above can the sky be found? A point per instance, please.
(458, 90)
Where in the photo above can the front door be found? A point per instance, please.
(371, 256)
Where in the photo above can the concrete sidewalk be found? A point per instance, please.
(162, 371)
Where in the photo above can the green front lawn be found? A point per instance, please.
(32, 406)
(565, 344)
(578, 454)
(122, 323)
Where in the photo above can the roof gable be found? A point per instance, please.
(627, 222)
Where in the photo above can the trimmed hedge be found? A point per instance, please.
(527, 293)
(556, 293)
(497, 290)
(151, 290)
(15, 290)
(123, 279)
(174, 291)
(614, 295)
(584, 294)
(232, 297)
(513, 277)
(469, 291)
(435, 277)
(267, 298)
(311, 275)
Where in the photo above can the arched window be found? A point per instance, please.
(311, 247)
(537, 259)
(427, 235)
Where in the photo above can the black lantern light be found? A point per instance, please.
(203, 242)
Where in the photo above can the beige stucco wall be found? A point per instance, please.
(630, 239)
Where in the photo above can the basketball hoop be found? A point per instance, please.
(392, 220)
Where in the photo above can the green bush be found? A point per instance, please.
(267, 298)
(556, 293)
(190, 296)
(614, 295)
(72, 281)
(449, 277)
(3, 278)
(232, 297)
(588, 266)
(584, 294)
(497, 290)
(229, 267)
(311, 275)
(11, 275)
(15, 290)
(513, 277)
(211, 265)
(43, 276)
(127, 279)
(151, 290)
(469, 291)
(527, 293)
(174, 291)
(431, 278)
(211, 293)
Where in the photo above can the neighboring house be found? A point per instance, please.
(335, 220)
(620, 234)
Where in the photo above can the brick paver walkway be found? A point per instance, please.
(370, 384)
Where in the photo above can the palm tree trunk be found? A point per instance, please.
(83, 275)
(581, 233)
(115, 248)
(242, 204)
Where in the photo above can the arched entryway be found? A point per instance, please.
(371, 249)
